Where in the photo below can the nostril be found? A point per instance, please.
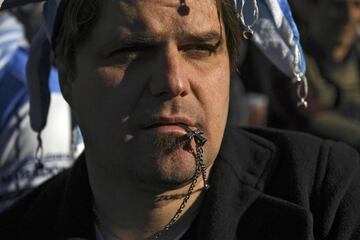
(183, 94)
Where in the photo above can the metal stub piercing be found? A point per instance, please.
(183, 9)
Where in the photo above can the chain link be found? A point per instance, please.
(200, 169)
(248, 32)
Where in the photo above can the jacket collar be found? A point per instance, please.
(237, 179)
(237, 207)
(64, 208)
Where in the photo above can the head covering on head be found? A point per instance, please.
(39, 63)
(275, 33)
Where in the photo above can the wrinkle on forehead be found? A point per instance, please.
(130, 7)
(167, 3)
(157, 16)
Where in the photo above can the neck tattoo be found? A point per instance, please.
(200, 169)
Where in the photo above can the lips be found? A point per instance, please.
(160, 122)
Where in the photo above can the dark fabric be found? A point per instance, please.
(265, 184)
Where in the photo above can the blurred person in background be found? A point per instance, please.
(20, 169)
(330, 38)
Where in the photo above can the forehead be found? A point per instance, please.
(163, 17)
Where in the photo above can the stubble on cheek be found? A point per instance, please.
(168, 143)
(171, 162)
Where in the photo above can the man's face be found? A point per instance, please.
(335, 22)
(148, 65)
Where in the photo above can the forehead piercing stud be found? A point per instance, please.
(183, 9)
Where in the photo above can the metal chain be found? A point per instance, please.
(199, 170)
(299, 79)
(39, 154)
(175, 218)
(200, 162)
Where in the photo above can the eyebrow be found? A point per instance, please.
(153, 39)
(205, 37)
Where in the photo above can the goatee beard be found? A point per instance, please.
(168, 143)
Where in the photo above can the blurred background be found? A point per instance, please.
(330, 31)
(27, 159)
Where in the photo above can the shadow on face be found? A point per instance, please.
(147, 66)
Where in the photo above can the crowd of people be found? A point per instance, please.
(141, 142)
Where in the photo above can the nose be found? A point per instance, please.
(169, 78)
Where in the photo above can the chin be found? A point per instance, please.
(169, 170)
(164, 162)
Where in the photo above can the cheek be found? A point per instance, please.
(99, 103)
(217, 89)
(215, 100)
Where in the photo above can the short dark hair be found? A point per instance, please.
(79, 16)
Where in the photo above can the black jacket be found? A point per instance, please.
(265, 184)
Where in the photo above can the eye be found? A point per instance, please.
(129, 53)
(198, 51)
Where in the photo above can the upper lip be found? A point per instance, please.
(168, 121)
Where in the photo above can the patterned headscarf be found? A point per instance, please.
(39, 64)
(275, 33)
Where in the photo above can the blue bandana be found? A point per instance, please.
(275, 33)
(39, 64)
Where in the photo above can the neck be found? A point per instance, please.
(133, 212)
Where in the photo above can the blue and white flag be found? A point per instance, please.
(275, 33)
(39, 64)
(11, 38)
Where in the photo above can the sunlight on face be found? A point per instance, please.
(146, 67)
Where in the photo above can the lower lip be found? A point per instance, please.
(168, 129)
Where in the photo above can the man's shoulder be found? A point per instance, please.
(284, 140)
(44, 198)
(56, 205)
(305, 155)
